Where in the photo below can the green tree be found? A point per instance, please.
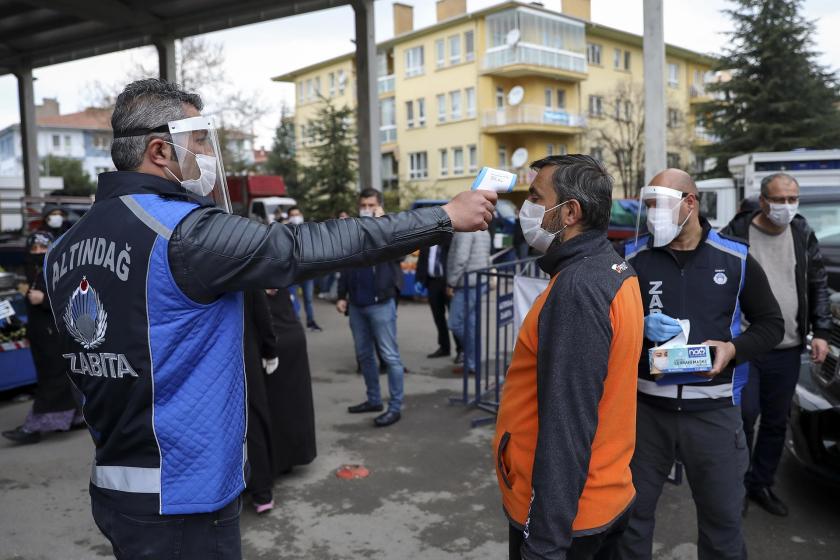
(779, 97)
(282, 159)
(331, 178)
(76, 181)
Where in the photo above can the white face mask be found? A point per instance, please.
(662, 224)
(296, 220)
(782, 214)
(365, 213)
(530, 220)
(55, 221)
(660, 362)
(206, 174)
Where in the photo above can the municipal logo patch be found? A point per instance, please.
(619, 268)
(85, 317)
(720, 278)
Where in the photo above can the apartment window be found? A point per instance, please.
(318, 85)
(627, 60)
(331, 79)
(473, 157)
(500, 98)
(698, 77)
(458, 161)
(409, 114)
(455, 104)
(300, 92)
(470, 101)
(593, 54)
(67, 142)
(441, 108)
(418, 165)
(673, 160)
(548, 97)
(549, 149)
(444, 162)
(56, 141)
(342, 81)
(440, 53)
(502, 163)
(386, 112)
(309, 90)
(562, 150)
(623, 110)
(596, 106)
(673, 75)
(421, 112)
(597, 153)
(561, 98)
(673, 118)
(469, 46)
(413, 62)
(455, 49)
(617, 59)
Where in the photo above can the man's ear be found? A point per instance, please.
(575, 214)
(159, 152)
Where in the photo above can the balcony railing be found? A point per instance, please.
(531, 114)
(387, 134)
(385, 84)
(700, 133)
(499, 57)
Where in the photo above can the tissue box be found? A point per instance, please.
(690, 358)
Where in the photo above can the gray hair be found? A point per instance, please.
(585, 179)
(765, 183)
(144, 105)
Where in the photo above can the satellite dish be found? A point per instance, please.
(512, 37)
(519, 158)
(515, 95)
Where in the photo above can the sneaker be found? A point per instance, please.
(262, 508)
(21, 436)
(313, 326)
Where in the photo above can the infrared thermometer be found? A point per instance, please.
(490, 179)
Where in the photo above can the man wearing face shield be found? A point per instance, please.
(785, 245)
(146, 290)
(688, 271)
(564, 433)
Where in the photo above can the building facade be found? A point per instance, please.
(502, 87)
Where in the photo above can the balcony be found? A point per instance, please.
(703, 136)
(528, 60)
(388, 134)
(385, 84)
(531, 118)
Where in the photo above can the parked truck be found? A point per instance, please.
(258, 196)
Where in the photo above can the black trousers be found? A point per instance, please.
(768, 394)
(209, 536)
(601, 546)
(439, 304)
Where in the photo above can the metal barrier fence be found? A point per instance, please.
(490, 293)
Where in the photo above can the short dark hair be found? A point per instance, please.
(367, 193)
(293, 208)
(585, 179)
(765, 183)
(146, 104)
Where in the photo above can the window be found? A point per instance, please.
(621, 157)
(561, 98)
(440, 53)
(386, 112)
(441, 108)
(597, 153)
(473, 157)
(418, 165)
(673, 160)
(444, 162)
(381, 64)
(623, 110)
(562, 150)
(469, 46)
(673, 75)
(596, 106)
(421, 112)
(617, 59)
(409, 114)
(56, 141)
(549, 149)
(300, 92)
(470, 101)
(458, 161)
(455, 49)
(502, 157)
(332, 83)
(413, 62)
(100, 141)
(548, 97)
(342, 81)
(455, 104)
(318, 86)
(627, 60)
(593, 54)
(673, 118)
(67, 142)
(500, 98)
(309, 90)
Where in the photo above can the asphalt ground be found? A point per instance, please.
(431, 493)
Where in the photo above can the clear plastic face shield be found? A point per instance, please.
(661, 205)
(199, 157)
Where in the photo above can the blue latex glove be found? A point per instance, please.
(419, 288)
(659, 327)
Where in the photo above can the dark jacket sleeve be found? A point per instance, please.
(211, 252)
(759, 305)
(264, 328)
(819, 307)
(574, 336)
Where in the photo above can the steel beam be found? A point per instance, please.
(367, 112)
(28, 132)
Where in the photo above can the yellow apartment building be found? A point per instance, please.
(500, 87)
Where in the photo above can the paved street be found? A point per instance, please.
(431, 493)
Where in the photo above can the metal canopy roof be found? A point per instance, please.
(36, 33)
